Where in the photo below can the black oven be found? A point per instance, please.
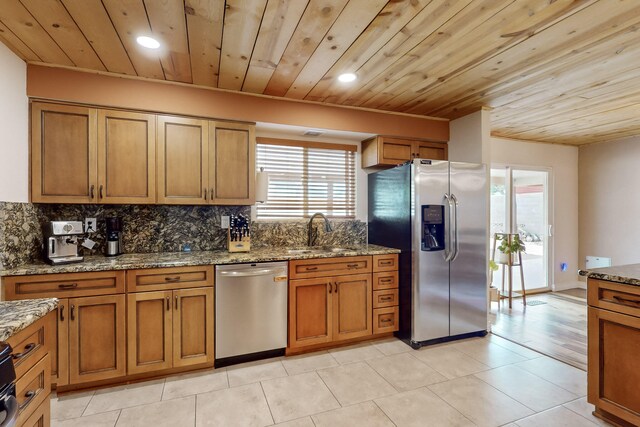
(8, 402)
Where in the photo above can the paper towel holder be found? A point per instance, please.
(262, 186)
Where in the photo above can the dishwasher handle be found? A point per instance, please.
(248, 273)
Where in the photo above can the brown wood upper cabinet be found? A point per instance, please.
(382, 151)
(89, 155)
(204, 162)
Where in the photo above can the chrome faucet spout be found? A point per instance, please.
(313, 232)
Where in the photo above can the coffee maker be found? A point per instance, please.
(114, 236)
(61, 240)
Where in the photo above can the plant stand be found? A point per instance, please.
(508, 265)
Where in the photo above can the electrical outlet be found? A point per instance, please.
(90, 225)
(224, 221)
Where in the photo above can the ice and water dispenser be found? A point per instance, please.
(432, 227)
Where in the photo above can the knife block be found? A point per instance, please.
(243, 245)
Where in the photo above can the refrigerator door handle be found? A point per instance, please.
(456, 241)
(448, 244)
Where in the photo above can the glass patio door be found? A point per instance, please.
(520, 204)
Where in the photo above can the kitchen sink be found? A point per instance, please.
(318, 249)
(300, 251)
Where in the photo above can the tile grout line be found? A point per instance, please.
(267, 402)
(449, 404)
(385, 414)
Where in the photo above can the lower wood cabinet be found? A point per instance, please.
(96, 338)
(327, 309)
(167, 329)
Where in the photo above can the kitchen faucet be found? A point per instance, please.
(313, 231)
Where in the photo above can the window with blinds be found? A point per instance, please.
(307, 177)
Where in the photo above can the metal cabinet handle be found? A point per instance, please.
(311, 268)
(168, 304)
(27, 350)
(352, 265)
(386, 263)
(211, 197)
(73, 312)
(176, 302)
(205, 194)
(30, 396)
(330, 287)
(386, 280)
(386, 298)
(336, 287)
(68, 285)
(100, 191)
(91, 193)
(172, 279)
(385, 320)
(61, 308)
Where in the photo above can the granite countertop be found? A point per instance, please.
(17, 315)
(627, 274)
(179, 259)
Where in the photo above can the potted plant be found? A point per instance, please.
(509, 247)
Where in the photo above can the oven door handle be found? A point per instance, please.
(10, 404)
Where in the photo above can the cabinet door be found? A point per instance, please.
(232, 163)
(182, 161)
(431, 150)
(59, 348)
(96, 338)
(352, 306)
(310, 311)
(614, 345)
(149, 331)
(394, 151)
(126, 157)
(63, 154)
(193, 327)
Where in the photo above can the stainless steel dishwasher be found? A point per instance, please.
(251, 311)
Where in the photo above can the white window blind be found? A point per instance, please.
(307, 177)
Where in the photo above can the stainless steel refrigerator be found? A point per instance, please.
(435, 212)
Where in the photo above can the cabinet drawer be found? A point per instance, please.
(29, 345)
(385, 298)
(311, 268)
(41, 417)
(385, 319)
(385, 262)
(64, 285)
(33, 388)
(161, 279)
(385, 280)
(614, 296)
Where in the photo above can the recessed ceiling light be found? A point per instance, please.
(347, 77)
(148, 42)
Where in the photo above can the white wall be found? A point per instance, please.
(563, 161)
(470, 138)
(610, 201)
(14, 128)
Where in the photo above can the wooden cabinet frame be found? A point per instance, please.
(384, 151)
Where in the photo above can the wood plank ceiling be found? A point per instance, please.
(563, 71)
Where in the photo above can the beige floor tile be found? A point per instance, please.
(484, 351)
(419, 408)
(243, 406)
(356, 353)
(300, 422)
(405, 372)
(125, 396)
(254, 372)
(355, 383)
(481, 403)
(527, 388)
(365, 414)
(585, 409)
(177, 412)
(516, 348)
(69, 406)
(561, 374)
(308, 362)
(392, 346)
(106, 419)
(556, 417)
(449, 362)
(196, 383)
(298, 396)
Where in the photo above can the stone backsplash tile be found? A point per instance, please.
(156, 228)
